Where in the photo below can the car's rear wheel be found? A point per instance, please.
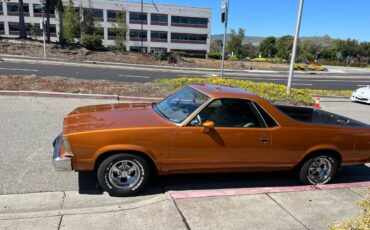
(320, 169)
(123, 174)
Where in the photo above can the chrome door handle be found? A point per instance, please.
(264, 139)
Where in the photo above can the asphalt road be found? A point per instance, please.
(29, 126)
(332, 81)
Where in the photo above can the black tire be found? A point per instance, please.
(307, 178)
(107, 177)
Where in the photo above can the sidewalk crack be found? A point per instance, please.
(181, 214)
(287, 211)
(63, 199)
(60, 222)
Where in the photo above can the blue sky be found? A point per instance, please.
(337, 18)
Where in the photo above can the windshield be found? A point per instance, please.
(180, 105)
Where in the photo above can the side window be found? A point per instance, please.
(230, 113)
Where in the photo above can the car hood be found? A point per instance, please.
(364, 92)
(112, 116)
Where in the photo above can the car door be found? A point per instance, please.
(239, 139)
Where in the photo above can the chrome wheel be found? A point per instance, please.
(124, 174)
(319, 171)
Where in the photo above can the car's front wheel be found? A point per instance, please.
(123, 174)
(320, 169)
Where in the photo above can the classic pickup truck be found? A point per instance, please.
(206, 128)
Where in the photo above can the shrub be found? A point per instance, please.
(180, 53)
(214, 55)
(269, 60)
(362, 222)
(312, 67)
(160, 55)
(272, 92)
(232, 59)
(91, 41)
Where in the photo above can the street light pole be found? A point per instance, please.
(295, 44)
(225, 9)
(43, 31)
(42, 26)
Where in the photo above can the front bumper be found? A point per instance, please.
(60, 163)
(358, 98)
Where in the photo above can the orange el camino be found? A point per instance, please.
(206, 128)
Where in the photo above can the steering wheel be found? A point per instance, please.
(199, 119)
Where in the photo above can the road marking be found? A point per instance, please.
(301, 84)
(28, 70)
(133, 76)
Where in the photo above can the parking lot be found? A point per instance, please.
(30, 124)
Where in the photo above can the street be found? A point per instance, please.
(313, 80)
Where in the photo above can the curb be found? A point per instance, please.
(30, 59)
(262, 190)
(77, 96)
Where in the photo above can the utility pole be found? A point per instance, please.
(42, 26)
(295, 44)
(224, 19)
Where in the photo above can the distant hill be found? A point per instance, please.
(256, 40)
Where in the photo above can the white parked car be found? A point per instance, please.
(362, 95)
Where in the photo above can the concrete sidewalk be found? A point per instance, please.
(313, 209)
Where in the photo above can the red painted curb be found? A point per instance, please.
(262, 190)
(75, 95)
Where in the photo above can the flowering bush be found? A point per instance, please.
(272, 92)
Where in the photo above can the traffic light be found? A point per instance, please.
(223, 17)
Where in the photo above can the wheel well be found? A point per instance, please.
(330, 152)
(104, 156)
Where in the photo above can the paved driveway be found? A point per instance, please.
(29, 125)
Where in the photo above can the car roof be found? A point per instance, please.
(217, 91)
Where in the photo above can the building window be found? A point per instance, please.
(112, 16)
(13, 9)
(189, 22)
(138, 35)
(112, 33)
(1, 8)
(189, 38)
(159, 19)
(138, 18)
(158, 36)
(13, 28)
(37, 12)
(98, 15)
(2, 29)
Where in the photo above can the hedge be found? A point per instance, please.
(272, 92)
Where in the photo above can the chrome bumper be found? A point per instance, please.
(60, 163)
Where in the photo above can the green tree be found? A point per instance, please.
(120, 30)
(71, 23)
(22, 26)
(268, 47)
(250, 50)
(284, 46)
(88, 22)
(235, 43)
(310, 50)
(216, 45)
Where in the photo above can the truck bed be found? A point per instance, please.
(310, 115)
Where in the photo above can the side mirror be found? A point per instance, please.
(207, 126)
